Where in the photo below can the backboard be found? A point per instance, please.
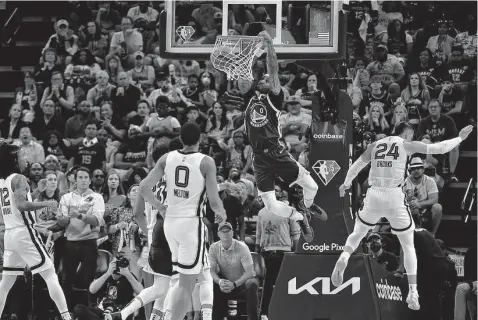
(301, 30)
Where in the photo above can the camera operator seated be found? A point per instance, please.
(114, 290)
(422, 195)
(386, 259)
(232, 270)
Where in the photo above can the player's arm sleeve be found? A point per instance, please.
(208, 168)
(146, 186)
(358, 165)
(434, 148)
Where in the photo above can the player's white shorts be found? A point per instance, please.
(389, 203)
(187, 242)
(24, 246)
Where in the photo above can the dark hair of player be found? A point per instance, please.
(9, 160)
(190, 134)
(401, 127)
(159, 151)
(175, 144)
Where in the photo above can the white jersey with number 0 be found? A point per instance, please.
(185, 185)
(12, 217)
(388, 163)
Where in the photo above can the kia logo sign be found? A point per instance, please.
(325, 288)
(328, 136)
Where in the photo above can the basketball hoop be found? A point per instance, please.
(234, 55)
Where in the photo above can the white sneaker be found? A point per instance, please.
(412, 300)
(337, 277)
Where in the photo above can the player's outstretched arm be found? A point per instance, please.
(146, 186)
(271, 62)
(442, 147)
(138, 213)
(20, 189)
(355, 169)
(208, 169)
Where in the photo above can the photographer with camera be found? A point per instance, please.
(114, 290)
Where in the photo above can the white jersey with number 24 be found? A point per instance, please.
(388, 163)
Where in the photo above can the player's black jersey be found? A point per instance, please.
(91, 157)
(262, 121)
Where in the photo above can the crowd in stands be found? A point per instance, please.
(102, 98)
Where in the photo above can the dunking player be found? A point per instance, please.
(23, 245)
(189, 176)
(385, 197)
(271, 157)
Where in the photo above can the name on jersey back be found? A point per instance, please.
(181, 193)
(384, 164)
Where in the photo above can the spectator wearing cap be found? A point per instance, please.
(125, 96)
(441, 44)
(101, 92)
(142, 75)
(145, 11)
(274, 237)
(435, 128)
(450, 97)
(294, 124)
(386, 259)
(49, 121)
(232, 270)
(386, 64)
(31, 150)
(90, 153)
(126, 42)
(422, 196)
(63, 41)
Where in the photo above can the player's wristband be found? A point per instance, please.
(235, 285)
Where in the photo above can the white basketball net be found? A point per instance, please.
(234, 55)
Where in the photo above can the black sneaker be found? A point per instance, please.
(113, 316)
(316, 212)
(307, 231)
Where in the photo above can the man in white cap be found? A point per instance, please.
(422, 195)
(63, 41)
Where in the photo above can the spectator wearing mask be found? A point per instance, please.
(47, 122)
(114, 290)
(386, 259)
(416, 98)
(435, 128)
(432, 272)
(75, 126)
(207, 91)
(107, 18)
(386, 64)
(63, 95)
(64, 42)
(294, 125)
(10, 127)
(232, 270)
(422, 196)
(82, 212)
(465, 294)
(144, 11)
(441, 44)
(274, 237)
(93, 40)
(125, 96)
(90, 153)
(126, 42)
(101, 92)
(31, 150)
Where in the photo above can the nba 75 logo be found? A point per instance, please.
(326, 170)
